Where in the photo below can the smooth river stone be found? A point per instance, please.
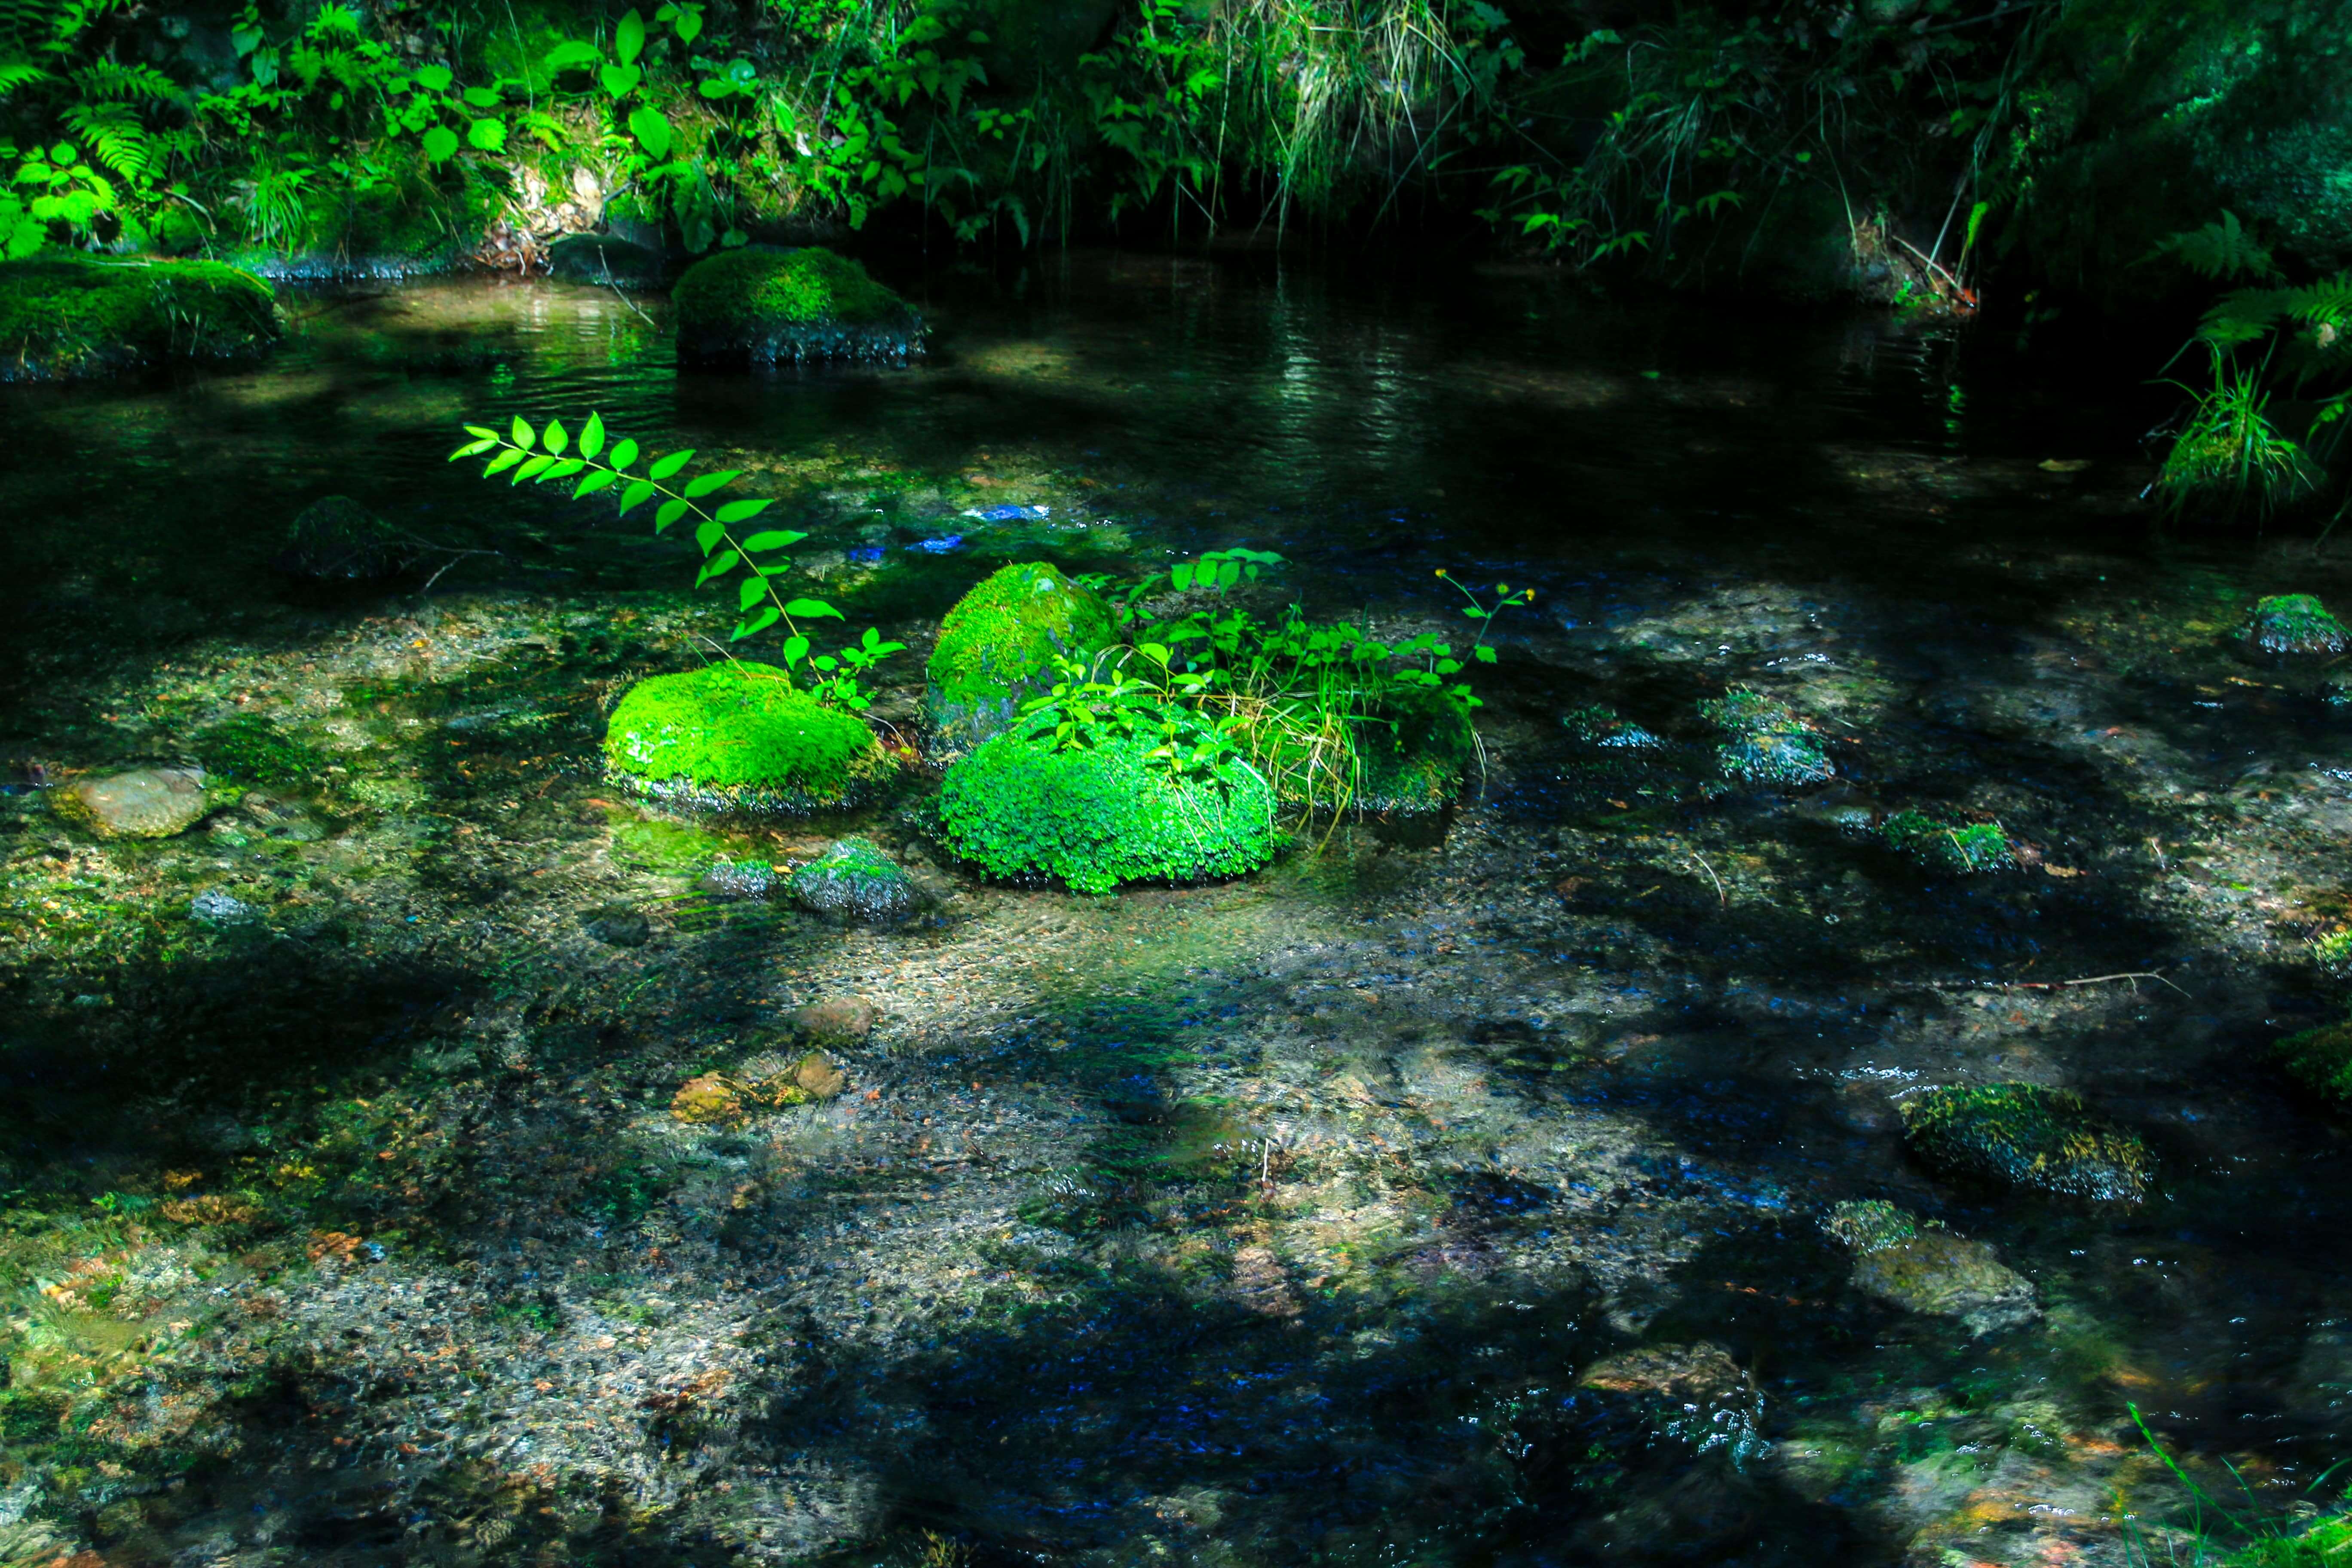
(145, 803)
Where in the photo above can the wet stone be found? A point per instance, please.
(2295, 624)
(1604, 728)
(855, 881)
(338, 538)
(738, 879)
(618, 926)
(146, 803)
(2025, 1135)
(213, 907)
(1764, 742)
(837, 1020)
(1694, 1395)
(606, 261)
(1924, 1269)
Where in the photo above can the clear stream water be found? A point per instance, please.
(1591, 1098)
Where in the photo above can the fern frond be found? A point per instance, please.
(2222, 249)
(2324, 303)
(2243, 316)
(75, 17)
(116, 140)
(15, 74)
(106, 81)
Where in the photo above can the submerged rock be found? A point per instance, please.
(739, 880)
(1961, 849)
(2026, 1135)
(145, 803)
(837, 1020)
(1595, 725)
(997, 647)
(64, 314)
(761, 306)
(762, 1084)
(2294, 623)
(853, 881)
(619, 926)
(741, 736)
(1924, 1269)
(1104, 815)
(1695, 1395)
(337, 539)
(213, 907)
(606, 261)
(2321, 1059)
(1764, 741)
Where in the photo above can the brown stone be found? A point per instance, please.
(837, 1020)
(819, 1079)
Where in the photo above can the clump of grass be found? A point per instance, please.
(2231, 455)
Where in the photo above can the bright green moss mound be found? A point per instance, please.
(771, 305)
(741, 736)
(1961, 849)
(1764, 741)
(66, 314)
(2294, 623)
(2024, 1134)
(1103, 815)
(996, 648)
(2322, 1059)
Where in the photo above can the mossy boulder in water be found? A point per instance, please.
(761, 306)
(1924, 1269)
(997, 647)
(2294, 623)
(2026, 1135)
(1104, 815)
(853, 881)
(337, 539)
(741, 737)
(2321, 1059)
(145, 803)
(1960, 848)
(66, 314)
(1605, 728)
(1764, 742)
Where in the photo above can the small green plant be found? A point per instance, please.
(1962, 848)
(2323, 1541)
(2332, 952)
(751, 562)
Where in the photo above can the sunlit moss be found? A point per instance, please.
(997, 646)
(1961, 849)
(769, 305)
(740, 734)
(64, 314)
(2026, 1134)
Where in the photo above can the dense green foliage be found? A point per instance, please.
(2025, 1134)
(740, 733)
(2321, 1059)
(1097, 816)
(65, 315)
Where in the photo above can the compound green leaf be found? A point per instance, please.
(718, 479)
(668, 464)
(671, 510)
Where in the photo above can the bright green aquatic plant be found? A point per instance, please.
(2321, 1541)
(1097, 815)
(2333, 952)
(751, 561)
(1959, 847)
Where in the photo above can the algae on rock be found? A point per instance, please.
(2321, 1059)
(2026, 1135)
(998, 645)
(1099, 815)
(761, 306)
(2295, 624)
(1926, 1269)
(853, 881)
(1764, 742)
(1961, 849)
(64, 314)
(741, 736)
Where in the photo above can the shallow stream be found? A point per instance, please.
(1279, 1222)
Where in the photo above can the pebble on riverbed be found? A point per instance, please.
(145, 803)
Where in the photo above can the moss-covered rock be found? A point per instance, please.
(2294, 623)
(997, 646)
(1960, 848)
(2027, 1135)
(1592, 724)
(1413, 756)
(741, 736)
(853, 881)
(759, 306)
(1764, 742)
(145, 803)
(2321, 1059)
(1099, 817)
(335, 539)
(66, 314)
(1926, 1269)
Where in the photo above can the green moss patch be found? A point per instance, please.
(2321, 1059)
(1764, 742)
(251, 749)
(763, 306)
(1960, 848)
(2027, 1135)
(1101, 817)
(741, 736)
(997, 645)
(70, 315)
(2294, 623)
